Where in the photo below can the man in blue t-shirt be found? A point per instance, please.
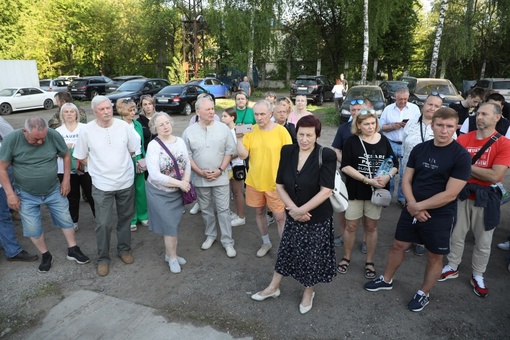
(436, 172)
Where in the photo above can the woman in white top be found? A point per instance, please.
(70, 130)
(229, 117)
(338, 91)
(163, 189)
(299, 110)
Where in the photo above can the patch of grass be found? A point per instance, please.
(45, 290)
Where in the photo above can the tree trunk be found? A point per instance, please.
(249, 72)
(437, 40)
(376, 63)
(364, 66)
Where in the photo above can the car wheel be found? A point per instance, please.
(228, 94)
(5, 109)
(48, 104)
(93, 93)
(187, 109)
(320, 99)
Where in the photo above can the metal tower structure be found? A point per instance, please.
(193, 34)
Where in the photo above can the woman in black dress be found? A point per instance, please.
(307, 249)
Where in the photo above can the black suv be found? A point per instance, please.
(315, 88)
(117, 81)
(88, 87)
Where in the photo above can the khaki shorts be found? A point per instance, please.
(358, 208)
(259, 199)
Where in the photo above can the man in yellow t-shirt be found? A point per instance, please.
(263, 146)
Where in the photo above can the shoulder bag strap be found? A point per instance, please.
(176, 166)
(485, 147)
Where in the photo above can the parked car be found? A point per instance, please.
(420, 88)
(88, 87)
(501, 85)
(214, 86)
(134, 89)
(179, 98)
(372, 93)
(24, 98)
(315, 88)
(54, 85)
(389, 87)
(117, 81)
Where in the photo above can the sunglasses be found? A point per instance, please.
(357, 101)
(366, 112)
(145, 96)
(127, 100)
(436, 94)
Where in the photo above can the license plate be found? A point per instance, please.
(302, 88)
(162, 100)
(111, 88)
(74, 90)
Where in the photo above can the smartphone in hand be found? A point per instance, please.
(244, 128)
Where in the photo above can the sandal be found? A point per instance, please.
(369, 273)
(342, 268)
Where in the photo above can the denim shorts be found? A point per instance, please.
(30, 212)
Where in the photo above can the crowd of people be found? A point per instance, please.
(450, 163)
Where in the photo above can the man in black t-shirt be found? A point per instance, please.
(436, 172)
(467, 107)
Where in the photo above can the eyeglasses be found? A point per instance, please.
(357, 101)
(366, 112)
(436, 94)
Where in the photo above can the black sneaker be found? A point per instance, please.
(45, 265)
(23, 256)
(418, 303)
(378, 284)
(75, 254)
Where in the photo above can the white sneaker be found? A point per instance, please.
(75, 226)
(181, 260)
(264, 249)
(207, 243)
(174, 266)
(238, 221)
(134, 227)
(504, 245)
(231, 252)
(145, 223)
(195, 209)
(270, 220)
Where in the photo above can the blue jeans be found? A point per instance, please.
(397, 150)
(30, 211)
(7, 236)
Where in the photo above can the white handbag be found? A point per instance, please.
(339, 197)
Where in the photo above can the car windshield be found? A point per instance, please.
(171, 90)
(194, 82)
(501, 85)
(8, 92)
(44, 83)
(130, 86)
(306, 82)
(426, 87)
(374, 95)
(395, 86)
(79, 82)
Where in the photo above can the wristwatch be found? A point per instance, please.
(221, 170)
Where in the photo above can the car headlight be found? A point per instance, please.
(346, 112)
(378, 113)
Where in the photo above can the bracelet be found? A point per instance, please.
(365, 180)
(221, 170)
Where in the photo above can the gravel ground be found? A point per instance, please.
(214, 289)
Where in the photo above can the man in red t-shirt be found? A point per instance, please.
(479, 203)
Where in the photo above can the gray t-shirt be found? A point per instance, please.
(245, 86)
(206, 147)
(34, 167)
